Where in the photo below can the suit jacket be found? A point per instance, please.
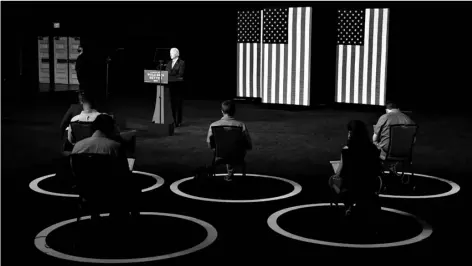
(178, 69)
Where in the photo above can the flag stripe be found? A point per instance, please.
(356, 74)
(297, 60)
(344, 69)
(352, 71)
(374, 57)
(383, 67)
(307, 35)
(261, 53)
(248, 68)
(273, 62)
(280, 72)
(276, 55)
(366, 56)
(302, 58)
(361, 74)
(370, 60)
(251, 70)
(379, 57)
(240, 70)
(289, 92)
(265, 72)
(284, 72)
(348, 73)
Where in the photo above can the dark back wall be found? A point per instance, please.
(427, 48)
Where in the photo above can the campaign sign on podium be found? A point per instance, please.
(162, 117)
(156, 76)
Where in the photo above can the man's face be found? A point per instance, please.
(173, 54)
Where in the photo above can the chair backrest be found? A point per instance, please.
(98, 175)
(128, 140)
(81, 130)
(402, 138)
(229, 141)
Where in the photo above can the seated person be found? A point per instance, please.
(73, 110)
(102, 142)
(228, 109)
(393, 116)
(357, 175)
(88, 114)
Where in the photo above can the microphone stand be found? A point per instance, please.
(108, 60)
(107, 81)
(161, 63)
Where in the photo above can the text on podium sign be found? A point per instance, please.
(156, 76)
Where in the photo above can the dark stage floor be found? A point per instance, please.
(295, 145)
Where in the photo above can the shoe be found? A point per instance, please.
(229, 177)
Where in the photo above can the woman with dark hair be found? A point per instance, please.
(357, 175)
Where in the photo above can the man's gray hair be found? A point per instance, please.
(176, 51)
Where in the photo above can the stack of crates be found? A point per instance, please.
(44, 62)
(61, 62)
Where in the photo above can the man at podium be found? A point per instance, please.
(176, 68)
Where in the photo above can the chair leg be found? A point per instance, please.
(244, 169)
(405, 181)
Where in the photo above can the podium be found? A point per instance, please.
(162, 120)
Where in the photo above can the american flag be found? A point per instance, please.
(284, 66)
(361, 56)
(249, 53)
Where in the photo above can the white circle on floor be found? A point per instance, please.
(34, 185)
(272, 221)
(296, 189)
(454, 189)
(40, 241)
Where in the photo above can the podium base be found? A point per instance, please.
(161, 130)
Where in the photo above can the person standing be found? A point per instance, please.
(176, 70)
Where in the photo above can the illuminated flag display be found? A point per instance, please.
(249, 53)
(274, 55)
(361, 57)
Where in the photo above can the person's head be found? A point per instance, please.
(357, 133)
(174, 53)
(390, 106)
(228, 108)
(105, 124)
(80, 49)
(87, 102)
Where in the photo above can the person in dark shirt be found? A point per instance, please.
(357, 174)
(176, 70)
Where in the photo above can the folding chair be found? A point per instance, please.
(103, 186)
(229, 146)
(400, 150)
(81, 130)
(103, 183)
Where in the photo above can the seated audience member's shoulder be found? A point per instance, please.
(75, 118)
